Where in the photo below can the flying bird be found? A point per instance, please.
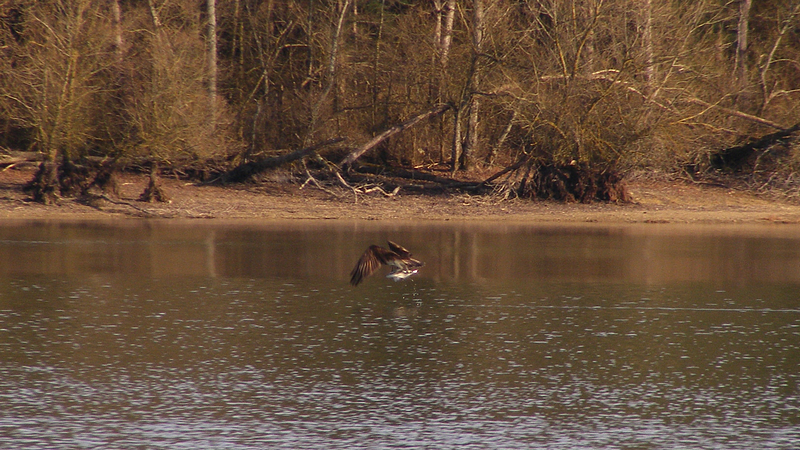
(403, 265)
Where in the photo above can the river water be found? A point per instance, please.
(238, 335)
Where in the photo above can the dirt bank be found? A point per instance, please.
(654, 202)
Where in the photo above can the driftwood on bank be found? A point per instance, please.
(535, 179)
(249, 169)
(355, 154)
(14, 159)
(415, 175)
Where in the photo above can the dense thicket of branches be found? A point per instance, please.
(623, 83)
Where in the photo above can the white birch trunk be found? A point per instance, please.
(447, 35)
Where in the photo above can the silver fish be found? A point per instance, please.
(398, 275)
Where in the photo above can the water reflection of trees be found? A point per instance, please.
(481, 253)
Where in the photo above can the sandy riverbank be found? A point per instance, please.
(654, 202)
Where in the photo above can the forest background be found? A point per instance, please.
(542, 88)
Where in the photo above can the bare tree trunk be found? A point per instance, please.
(502, 139)
(153, 192)
(154, 15)
(355, 17)
(445, 37)
(472, 134)
(238, 31)
(647, 43)
(740, 69)
(116, 12)
(457, 143)
(157, 26)
(212, 61)
(334, 52)
(437, 30)
(477, 51)
(588, 49)
(376, 88)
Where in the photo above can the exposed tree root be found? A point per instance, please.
(44, 185)
(72, 178)
(106, 181)
(153, 192)
(52, 181)
(563, 182)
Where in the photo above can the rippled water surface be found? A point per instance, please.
(247, 335)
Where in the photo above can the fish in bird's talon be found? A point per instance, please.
(403, 265)
(398, 275)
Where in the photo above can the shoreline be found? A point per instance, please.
(653, 203)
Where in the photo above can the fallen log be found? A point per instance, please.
(415, 175)
(14, 159)
(355, 154)
(249, 169)
(735, 157)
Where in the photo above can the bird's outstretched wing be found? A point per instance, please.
(401, 251)
(405, 256)
(367, 264)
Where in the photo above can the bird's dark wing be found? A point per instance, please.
(369, 262)
(401, 252)
(405, 256)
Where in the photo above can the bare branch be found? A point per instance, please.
(733, 112)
